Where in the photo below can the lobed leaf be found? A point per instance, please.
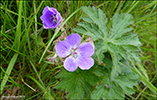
(115, 89)
(77, 84)
(118, 39)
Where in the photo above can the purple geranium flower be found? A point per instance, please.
(77, 55)
(51, 18)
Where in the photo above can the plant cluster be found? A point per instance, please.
(103, 51)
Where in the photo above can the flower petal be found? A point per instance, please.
(45, 9)
(51, 9)
(73, 40)
(46, 18)
(85, 49)
(62, 49)
(85, 62)
(69, 64)
(45, 26)
(59, 18)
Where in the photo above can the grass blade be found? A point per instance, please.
(144, 80)
(18, 30)
(10, 78)
(133, 6)
(8, 71)
(36, 72)
(45, 91)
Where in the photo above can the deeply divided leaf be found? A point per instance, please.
(78, 85)
(117, 88)
(114, 37)
(118, 39)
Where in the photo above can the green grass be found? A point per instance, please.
(24, 45)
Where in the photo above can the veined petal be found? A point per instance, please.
(47, 18)
(45, 9)
(62, 49)
(85, 49)
(69, 64)
(85, 62)
(59, 18)
(51, 9)
(73, 40)
(45, 26)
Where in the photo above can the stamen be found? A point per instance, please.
(75, 52)
(54, 19)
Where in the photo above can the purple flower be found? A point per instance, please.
(51, 18)
(77, 55)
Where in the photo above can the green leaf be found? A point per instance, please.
(115, 89)
(114, 36)
(78, 84)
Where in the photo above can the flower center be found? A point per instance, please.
(54, 19)
(74, 53)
